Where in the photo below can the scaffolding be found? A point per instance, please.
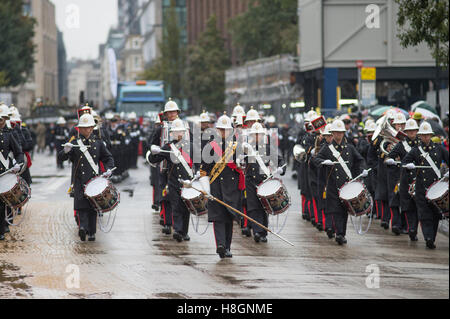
(264, 82)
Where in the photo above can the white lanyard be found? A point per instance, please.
(406, 146)
(340, 160)
(4, 161)
(431, 162)
(182, 160)
(88, 156)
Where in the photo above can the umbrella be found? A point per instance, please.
(381, 110)
(436, 127)
(423, 105)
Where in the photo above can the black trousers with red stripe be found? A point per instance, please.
(88, 220)
(261, 217)
(412, 221)
(223, 232)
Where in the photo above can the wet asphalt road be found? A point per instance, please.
(40, 258)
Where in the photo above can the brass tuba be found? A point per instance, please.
(389, 134)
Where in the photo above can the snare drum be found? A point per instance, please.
(273, 196)
(194, 200)
(102, 194)
(14, 191)
(437, 193)
(356, 198)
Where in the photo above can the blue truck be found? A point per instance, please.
(145, 98)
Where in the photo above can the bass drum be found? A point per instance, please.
(437, 193)
(14, 191)
(194, 200)
(103, 195)
(273, 196)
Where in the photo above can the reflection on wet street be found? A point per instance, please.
(44, 258)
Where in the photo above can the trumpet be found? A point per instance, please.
(299, 152)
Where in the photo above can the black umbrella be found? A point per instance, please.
(436, 127)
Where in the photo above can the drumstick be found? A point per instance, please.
(238, 212)
(75, 145)
(360, 175)
(404, 166)
(7, 172)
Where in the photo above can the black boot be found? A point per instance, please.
(319, 226)
(2, 237)
(430, 243)
(91, 237)
(166, 230)
(178, 237)
(82, 234)
(340, 239)
(186, 237)
(246, 232)
(413, 235)
(221, 251)
(330, 233)
(385, 225)
(228, 254)
(263, 239)
(396, 230)
(257, 237)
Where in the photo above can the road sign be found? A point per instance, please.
(368, 74)
(359, 64)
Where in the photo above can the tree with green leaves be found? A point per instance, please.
(16, 43)
(208, 60)
(170, 66)
(425, 21)
(268, 28)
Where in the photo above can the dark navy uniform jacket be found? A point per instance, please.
(84, 173)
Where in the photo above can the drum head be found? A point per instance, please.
(96, 186)
(437, 190)
(190, 193)
(351, 190)
(7, 182)
(268, 188)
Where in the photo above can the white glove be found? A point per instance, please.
(446, 175)
(155, 149)
(68, 147)
(187, 183)
(15, 168)
(365, 173)
(390, 161)
(108, 173)
(205, 184)
(197, 175)
(279, 171)
(327, 163)
(410, 166)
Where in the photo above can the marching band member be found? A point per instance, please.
(180, 166)
(349, 166)
(85, 165)
(327, 218)
(381, 190)
(61, 135)
(426, 153)
(406, 202)
(160, 137)
(8, 144)
(224, 180)
(393, 179)
(251, 118)
(255, 175)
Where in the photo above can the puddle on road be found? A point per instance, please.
(12, 284)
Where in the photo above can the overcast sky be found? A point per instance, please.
(85, 25)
